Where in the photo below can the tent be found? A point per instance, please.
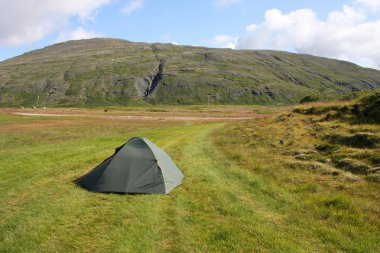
(138, 166)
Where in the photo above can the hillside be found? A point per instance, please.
(110, 71)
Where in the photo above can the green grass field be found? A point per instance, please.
(241, 192)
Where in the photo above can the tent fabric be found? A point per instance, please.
(138, 166)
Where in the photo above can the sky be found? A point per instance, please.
(340, 29)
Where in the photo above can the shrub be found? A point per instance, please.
(367, 110)
(311, 98)
(371, 107)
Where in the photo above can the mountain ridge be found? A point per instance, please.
(115, 71)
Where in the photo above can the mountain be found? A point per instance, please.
(112, 71)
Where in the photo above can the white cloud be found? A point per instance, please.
(373, 4)
(224, 41)
(133, 5)
(224, 3)
(26, 21)
(77, 34)
(345, 34)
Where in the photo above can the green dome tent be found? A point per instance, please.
(138, 166)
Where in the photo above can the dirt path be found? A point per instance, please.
(145, 117)
(46, 114)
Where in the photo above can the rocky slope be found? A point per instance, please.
(111, 71)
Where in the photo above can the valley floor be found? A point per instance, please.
(238, 194)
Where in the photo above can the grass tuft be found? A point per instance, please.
(353, 166)
(358, 140)
(338, 202)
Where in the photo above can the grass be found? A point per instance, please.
(239, 193)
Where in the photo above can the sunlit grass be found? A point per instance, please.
(239, 193)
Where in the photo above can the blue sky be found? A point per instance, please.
(339, 29)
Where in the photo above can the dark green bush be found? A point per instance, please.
(369, 108)
(311, 98)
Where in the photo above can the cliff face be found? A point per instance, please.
(109, 71)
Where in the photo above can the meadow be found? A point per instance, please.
(271, 183)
